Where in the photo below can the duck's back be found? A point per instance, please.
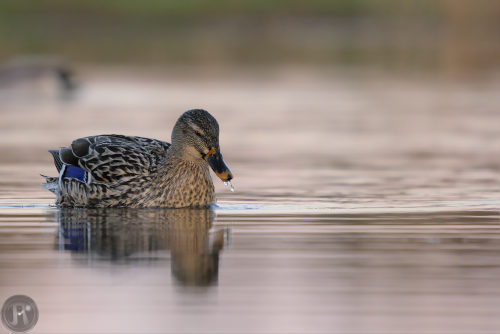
(91, 167)
(111, 158)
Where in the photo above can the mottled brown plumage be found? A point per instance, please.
(127, 171)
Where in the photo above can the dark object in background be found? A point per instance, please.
(31, 68)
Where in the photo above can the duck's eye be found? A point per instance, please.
(198, 133)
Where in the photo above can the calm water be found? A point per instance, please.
(363, 204)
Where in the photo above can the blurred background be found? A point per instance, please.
(441, 36)
(351, 86)
(364, 140)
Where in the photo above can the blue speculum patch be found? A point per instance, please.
(74, 173)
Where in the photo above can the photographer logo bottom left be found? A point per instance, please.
(19, 313)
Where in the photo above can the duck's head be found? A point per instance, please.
(196, 138)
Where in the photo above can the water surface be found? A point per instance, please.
(362, 205)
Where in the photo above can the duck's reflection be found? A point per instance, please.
(126, 235)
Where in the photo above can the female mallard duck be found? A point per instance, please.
(123, 171)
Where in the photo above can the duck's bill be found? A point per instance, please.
(218, 165)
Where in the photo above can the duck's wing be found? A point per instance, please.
(111, 158)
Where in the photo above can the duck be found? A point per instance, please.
(137, 172)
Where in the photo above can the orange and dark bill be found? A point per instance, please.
(214, 158)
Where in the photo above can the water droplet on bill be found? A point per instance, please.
(228, 183)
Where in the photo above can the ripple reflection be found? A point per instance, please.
(128, 235)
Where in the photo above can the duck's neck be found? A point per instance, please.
(185, 155)
(182, 182)
(181, 170)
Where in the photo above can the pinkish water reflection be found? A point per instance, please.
(362, 205)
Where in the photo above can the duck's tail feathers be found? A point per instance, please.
(51, 183)
(57, 159)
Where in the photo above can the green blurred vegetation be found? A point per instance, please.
(192, 9)
(456, 34)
